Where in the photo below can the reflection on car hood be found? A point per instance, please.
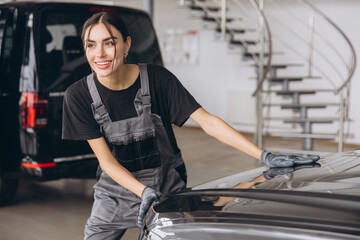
(317, 203)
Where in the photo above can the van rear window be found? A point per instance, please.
(62, 58)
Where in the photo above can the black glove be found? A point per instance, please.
(272, 172)
(272, 160)
(149, 197)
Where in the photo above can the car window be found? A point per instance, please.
(7, 28)
(61, 55)
(3, 14)
(62, 58)
(7, 46)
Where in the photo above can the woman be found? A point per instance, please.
(125, 112)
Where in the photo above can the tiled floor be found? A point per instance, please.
(58, 210)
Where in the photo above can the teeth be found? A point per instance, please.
(103, 63)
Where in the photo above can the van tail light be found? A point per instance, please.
(38, 165)
(34, 110)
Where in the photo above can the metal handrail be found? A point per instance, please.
(315, 31)
(352, 68)
(325, 59)
(328, 78)
(254, 57)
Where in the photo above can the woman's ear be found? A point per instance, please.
(127, 45)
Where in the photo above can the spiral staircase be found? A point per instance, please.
(303, 78)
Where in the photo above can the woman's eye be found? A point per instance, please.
(90, 45)
(109, 44)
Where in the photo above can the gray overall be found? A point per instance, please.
(141, 145)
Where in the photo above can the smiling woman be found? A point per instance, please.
(134, 105)
(106, 50)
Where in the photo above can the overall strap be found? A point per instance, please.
(145, 91)
(100, 112)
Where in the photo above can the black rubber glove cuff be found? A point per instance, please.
(263, 155)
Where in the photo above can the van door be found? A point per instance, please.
(11, 28)
(10, 60)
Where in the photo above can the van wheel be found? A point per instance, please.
(8, 188)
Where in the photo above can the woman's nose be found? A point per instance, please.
(100, 51)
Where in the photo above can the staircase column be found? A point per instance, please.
(259, 120)
(308, 142)
(303, 112)
(341, 125)
(311, 43)
(223, 19)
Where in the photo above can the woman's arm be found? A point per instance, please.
(113, 168)
(246, 185)
(219, 129)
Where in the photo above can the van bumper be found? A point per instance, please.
(83, 166)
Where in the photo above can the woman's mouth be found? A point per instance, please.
(103, 64)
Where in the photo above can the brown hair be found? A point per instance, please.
(107, 18)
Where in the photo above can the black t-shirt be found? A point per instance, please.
(169, 99)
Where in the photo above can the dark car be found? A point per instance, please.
(41, 55)
(320, 201)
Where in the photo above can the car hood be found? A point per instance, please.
(320, 200)
(338, 173)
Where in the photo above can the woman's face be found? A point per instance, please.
(100, 50)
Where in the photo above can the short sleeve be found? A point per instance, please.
(78, 122)
(181, 103)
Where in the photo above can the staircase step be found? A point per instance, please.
(302, 105)
(305, 135)
(243, 42)
(291, 92)
(303, 120)
(208, 8)
(303, 91)
(217, 19)
(285, 65)
(292, 78)
(236, 30)
(281, 65)
(311, 120)
(250, 54)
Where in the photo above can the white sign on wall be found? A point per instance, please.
(179, 46)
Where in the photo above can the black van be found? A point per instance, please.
(41, 55)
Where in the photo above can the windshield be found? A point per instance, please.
(62, 58)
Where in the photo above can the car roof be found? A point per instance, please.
(41, 4)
